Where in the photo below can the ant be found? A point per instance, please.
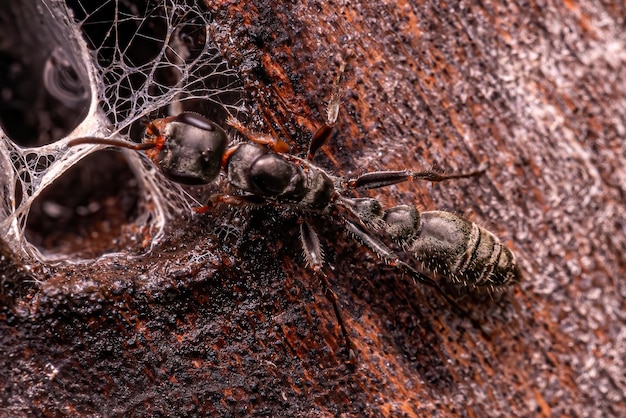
(449, 249)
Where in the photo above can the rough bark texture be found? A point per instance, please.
(236, 324)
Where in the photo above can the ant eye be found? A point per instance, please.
(193, 149)
(196, 120)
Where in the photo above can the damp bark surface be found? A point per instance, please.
(224, 318)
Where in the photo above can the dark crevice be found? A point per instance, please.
(83, 212)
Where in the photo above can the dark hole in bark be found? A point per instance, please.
(83, 213)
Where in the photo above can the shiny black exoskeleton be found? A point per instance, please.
(254, 169)
(188, 147)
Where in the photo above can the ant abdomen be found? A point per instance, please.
(454, 248)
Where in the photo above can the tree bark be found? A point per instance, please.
(236, 324)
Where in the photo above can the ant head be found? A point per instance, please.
(188, 148)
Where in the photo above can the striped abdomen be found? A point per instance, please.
(453, 247)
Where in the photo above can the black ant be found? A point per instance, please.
(449, 249)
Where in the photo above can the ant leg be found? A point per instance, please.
(378, 179)
(320, 137)
(276, 144)
(315, 259)
(323, 134)
(385, 253)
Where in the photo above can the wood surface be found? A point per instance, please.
(230, 321)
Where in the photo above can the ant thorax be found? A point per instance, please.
(254, 169)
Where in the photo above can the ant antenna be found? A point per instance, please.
(113, 142)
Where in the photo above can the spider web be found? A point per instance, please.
(145, 59)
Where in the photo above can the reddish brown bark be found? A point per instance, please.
(238, 325)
